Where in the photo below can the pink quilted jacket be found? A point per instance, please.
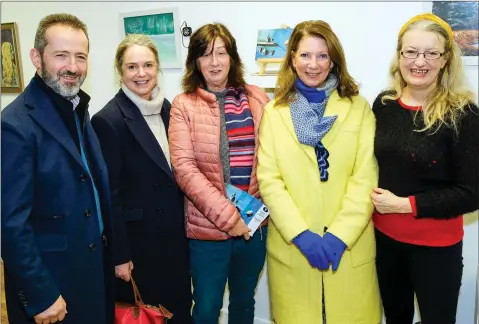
(194, 137)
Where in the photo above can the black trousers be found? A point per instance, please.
(433, 273)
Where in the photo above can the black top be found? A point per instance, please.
(439, 169)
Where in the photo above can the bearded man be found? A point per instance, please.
(56, 226)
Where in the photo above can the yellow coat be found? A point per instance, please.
(289, 183)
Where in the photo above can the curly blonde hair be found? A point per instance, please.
(446, 103)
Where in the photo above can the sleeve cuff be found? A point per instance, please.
(412, 201)
(40, 300)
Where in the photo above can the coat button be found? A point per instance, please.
(159, 210)
(82, 177)
(158, 188)
(92, 247)
(87, 213)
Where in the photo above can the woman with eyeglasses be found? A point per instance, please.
(427, 145)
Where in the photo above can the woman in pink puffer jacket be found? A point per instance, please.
(213, 137)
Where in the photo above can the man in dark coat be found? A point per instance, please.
(56, 223)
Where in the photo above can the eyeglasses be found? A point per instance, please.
(410, 54)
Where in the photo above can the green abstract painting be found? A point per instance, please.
(161, 28)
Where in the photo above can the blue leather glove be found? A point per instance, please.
(310, 244)
(334, 249)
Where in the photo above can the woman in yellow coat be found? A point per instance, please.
(316, 169)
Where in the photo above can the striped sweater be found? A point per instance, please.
(240, 133)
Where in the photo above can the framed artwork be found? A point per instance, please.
(12, 78)
(463, 17)
(272, 43)
(161, 25)
(271, 46)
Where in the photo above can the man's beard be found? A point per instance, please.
(68, 91)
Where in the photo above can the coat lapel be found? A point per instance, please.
(285, 113)
(45, 114)
(141, 131)
(335, 106)
(95, 151)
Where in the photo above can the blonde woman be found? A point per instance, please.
(427, 147)
(316, 169)
(147, 204)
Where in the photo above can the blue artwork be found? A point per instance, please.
(272, 43)
(462, 16)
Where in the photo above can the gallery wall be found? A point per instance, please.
(367, 30)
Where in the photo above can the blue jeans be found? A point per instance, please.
(237, 261)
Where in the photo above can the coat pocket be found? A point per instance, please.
(46, 225)
(132, 215)
(364, 251)
(51, 242)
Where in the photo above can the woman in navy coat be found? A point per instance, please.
(147, 205)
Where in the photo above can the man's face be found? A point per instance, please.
(64, 63)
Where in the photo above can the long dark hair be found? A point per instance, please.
(199, 41)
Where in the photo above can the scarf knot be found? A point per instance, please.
(310, 124)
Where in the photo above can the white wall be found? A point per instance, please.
(366, 30)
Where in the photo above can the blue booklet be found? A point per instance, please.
(252, 210)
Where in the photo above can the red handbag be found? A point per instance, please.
(140, 313)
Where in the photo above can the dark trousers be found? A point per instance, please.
(237, 261)
(433, 273)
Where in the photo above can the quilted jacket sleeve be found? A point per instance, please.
(210, 201)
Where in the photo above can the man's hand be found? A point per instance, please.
(123, 271)
(240, 229)
(53, 314)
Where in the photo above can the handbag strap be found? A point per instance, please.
(136, 293)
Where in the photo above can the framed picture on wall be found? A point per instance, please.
(12, 79)
(463, 17)
(161, 25)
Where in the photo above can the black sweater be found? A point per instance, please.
(440, 170)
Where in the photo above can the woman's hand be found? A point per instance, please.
(240, 229)
(123, 271)
(386, 202)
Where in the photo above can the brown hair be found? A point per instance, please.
(285, 86)
(57, 19)
(199, 41)
(134, 39)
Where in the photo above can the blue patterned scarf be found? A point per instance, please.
(307, 112)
